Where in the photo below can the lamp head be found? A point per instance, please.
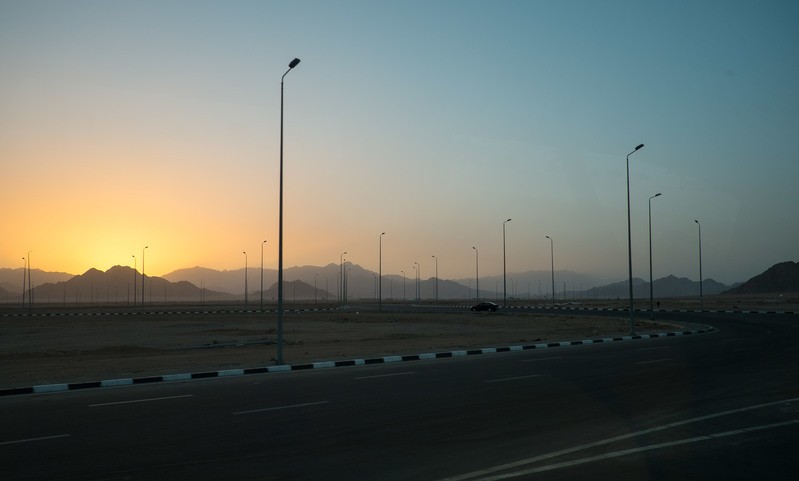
(296, 61)
(658, 194)
(636, 148)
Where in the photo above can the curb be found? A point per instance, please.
(51, 388)
(165, 313)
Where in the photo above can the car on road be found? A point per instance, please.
(484, 306)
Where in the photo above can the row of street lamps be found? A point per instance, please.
(293, 64)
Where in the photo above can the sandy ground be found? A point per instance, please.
(36, 350)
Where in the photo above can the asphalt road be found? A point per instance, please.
(723, 405)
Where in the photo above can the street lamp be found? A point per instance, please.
(262, 275)
(701, 307)
(651, 289)
(630, 240)
(436, 258)
(418, 268)
(142, 276)
(552, 258)
(380, 272)
(504, 269)
(24, 279)
(292, 64)
(134, 281)
(477, 271)
(341, 278)
(30, 286)
(245, 278)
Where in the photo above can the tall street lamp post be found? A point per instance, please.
(292, 64)
(134, 281)
(504, 269)
(651, 289)
(341, 278)
(476, 272)
(24, 279)
(262, 275)
(701, 306)
(630, 240)
(380, 273)
(552, 259)
(436, 258)
(245, 278)
(418, 268)
(30, 286)
(142, 276)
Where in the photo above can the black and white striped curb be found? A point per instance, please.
(164, 313)
(624, 309)
(50, 388)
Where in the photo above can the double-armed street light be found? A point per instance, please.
(630, 240)
(292, 64)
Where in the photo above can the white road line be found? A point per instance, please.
(652, 348)
(30, 440)
(140, 400)
(543, 359)
(512, 378)
(625, 452)
(387, 375)
(653, 361)
(602, 442)
(277, 408)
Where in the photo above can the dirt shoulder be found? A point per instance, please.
(36, 350)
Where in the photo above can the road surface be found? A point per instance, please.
(723, 405)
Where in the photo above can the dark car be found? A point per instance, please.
(484, 306)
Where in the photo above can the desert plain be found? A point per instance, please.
(90, 345)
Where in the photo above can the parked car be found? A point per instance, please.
(484, 306)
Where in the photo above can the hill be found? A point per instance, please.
(116, 285)
(11, 279)
(669, 286)
(779, 278)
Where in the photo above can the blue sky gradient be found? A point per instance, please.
(126, 124)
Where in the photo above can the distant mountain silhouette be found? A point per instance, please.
(11, 279)
(779, 278)
(116, 285)
(669, 286)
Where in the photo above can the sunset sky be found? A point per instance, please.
(126, 124)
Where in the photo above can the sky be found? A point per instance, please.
(126, 124)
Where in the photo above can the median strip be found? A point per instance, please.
(51, 388)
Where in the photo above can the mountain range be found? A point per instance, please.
(116, 285)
